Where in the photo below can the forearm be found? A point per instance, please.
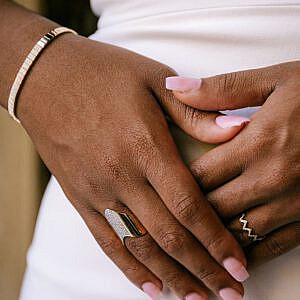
(20, 29)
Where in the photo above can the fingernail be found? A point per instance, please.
(231, 121)
(182, 84)
(236, 269)
(194, 296)
(152, 290)
(230, 294)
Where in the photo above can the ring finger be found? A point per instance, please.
(177, 243)
(144, 250)
(265, 218)
(111, 245)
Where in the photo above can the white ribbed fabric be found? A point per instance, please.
(196, 38)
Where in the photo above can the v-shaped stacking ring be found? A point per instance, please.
(249, 230)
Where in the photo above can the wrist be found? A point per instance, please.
(29, 61)
(20, 29)
(49, 73)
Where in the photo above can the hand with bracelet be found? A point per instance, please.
(93, 111)
(253, 181)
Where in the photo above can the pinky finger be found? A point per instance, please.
(112, 246)
(275, 244)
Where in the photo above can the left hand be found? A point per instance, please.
(257, 172)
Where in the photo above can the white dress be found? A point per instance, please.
(196, 38)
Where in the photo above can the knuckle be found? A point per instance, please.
(142, 247)
(219, 242)
(146, 149)
(132, 271)
(216, 198)
(144, 143)
(172, 242)
(112, 164)
(199, 169)
(186, 208)
(294, 233)
(277, 178)
(227, 82)
(108, 245)
(264, 133)
(191, 116)
(196, 120)
(297, 230)
(173, 279)
(273, 247)
(84, 187)
(203, 173)
(207, 275)
(220, 204)
(293, 177)
(114, 168)
(282, 176)
(287, 177)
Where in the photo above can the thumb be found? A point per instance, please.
(226, 91)
(208, 127)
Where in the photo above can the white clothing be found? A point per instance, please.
(196, 38)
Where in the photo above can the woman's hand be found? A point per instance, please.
(96, 123)
(257, 172)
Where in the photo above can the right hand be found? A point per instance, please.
(91, 110)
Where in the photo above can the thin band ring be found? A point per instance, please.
(124, 225)
(249, 230)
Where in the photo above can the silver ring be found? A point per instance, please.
(249, 230)
(124, 225)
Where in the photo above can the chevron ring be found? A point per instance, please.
(249, 231)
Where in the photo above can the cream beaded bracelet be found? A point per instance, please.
(31, 57)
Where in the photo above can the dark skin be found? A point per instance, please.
(95, 135)
(258, 170)
(94, 113)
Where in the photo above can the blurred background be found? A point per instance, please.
(23, 177)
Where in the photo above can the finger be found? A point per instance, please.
(275, 244)
(214, 168)
(174, 276)
(134, 270)
(153, 258)
(177, 242)
(236, 196)
(182, 196)
(227, 91)
(266, 218)
(255, 186)
(200, 125)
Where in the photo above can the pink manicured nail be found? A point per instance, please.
(230, 294)
(236, 269)
(194, 296)
(231, 121)
(182, 84)
(152, 290)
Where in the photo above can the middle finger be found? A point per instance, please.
(177, 242)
